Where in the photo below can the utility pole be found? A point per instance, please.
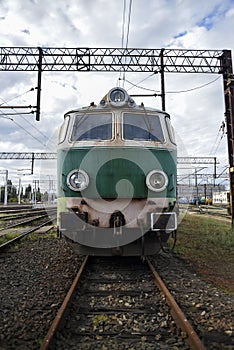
(162, 80)
(6, 183)
(228, 82)
(205, 193)
(19, 193)
(5, 186)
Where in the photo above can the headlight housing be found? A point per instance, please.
(118, 97)
(77, 180)
(157, 180)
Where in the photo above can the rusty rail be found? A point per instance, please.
(21, 235)
(180, 319)
(47, 340)
(193, 340)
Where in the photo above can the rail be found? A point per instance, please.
(63, 308)
(15, 239)
(193, 340)
(180, 319)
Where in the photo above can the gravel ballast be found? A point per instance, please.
(36, 276)
(34, 280)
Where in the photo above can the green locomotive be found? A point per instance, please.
(117, 177)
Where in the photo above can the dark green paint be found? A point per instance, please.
(108, 167)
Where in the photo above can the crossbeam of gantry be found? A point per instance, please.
(110, 59)
(27, 155)
(51, 155)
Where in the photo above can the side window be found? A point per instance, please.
(170, 130)
(63, 130)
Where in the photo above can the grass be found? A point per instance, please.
(207, 244)
(7, 237)
(200, 229)
(32, 236)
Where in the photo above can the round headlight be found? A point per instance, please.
(118, 97)
(77, 180)
(156, 180)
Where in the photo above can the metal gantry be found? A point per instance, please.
(109, 59)
(51, 155)
(47, 59)
(27, 155)
(197, 160)
(164, 60)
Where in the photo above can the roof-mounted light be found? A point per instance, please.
(117, 97)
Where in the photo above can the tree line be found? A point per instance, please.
(25, 196)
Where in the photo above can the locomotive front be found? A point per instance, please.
(116, 177)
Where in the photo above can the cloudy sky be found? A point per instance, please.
(195, 101)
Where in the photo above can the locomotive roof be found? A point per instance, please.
(101, 109)
(116, 98)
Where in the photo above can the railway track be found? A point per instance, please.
(19, 236)
(9, 236)
(15, 208)
(119, 303)
(24, 214)
(22, 223)
(211, 211)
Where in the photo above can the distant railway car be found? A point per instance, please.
(117, 177)
(221, 198)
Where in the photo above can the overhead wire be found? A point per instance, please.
(123, 23)
(168, 92)
(213, 146)
(137, 85)
(141, 87)
(195, 88)
(20, 114)
(13, 98)
(222, 130)
(125, 35)
(218, 144)
(129, 19)
(20, 126)
(122, 37)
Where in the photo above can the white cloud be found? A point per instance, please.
(230, 13)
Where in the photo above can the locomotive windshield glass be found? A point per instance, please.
(92, 127)
(144, 127)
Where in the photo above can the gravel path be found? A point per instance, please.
(36, 277)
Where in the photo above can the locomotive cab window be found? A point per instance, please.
(92, 127)
(145, 127)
